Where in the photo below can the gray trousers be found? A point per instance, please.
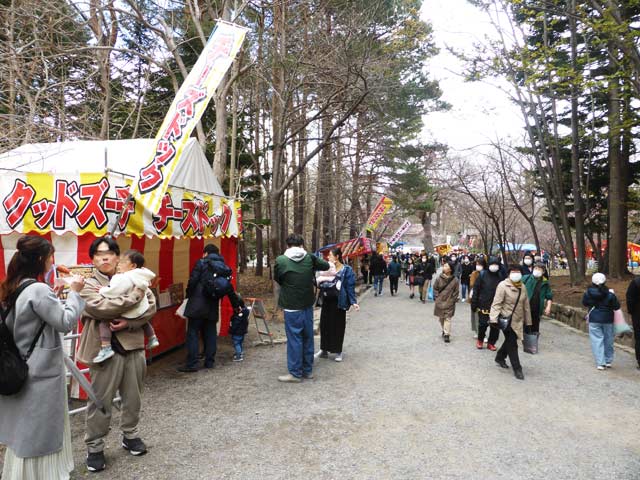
(119, 373)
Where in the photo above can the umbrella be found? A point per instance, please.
(84, 383)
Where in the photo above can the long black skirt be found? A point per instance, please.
(333, 322)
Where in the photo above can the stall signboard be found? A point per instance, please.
(383, 206)
(91, 203)
(188, 106)
(395, 238)
(443, 249)
(357, 247)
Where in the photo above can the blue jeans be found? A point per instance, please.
(601, 335)
(377, 283)
(193, 341)
(299, 328)
(237, 343)
(463, 290)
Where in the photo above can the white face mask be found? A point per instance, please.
(537, 273)
(453, 258)
(528, 261)
(494, 268)
(515, 277)
(479, 268)
(466, 261)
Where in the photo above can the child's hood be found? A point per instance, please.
(140, 275)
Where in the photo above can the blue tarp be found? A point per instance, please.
(510, 247)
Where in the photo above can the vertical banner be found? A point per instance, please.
(381, 209)
(401, 231)
(193, 97)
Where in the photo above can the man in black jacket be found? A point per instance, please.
(483, 292)
(379, 271)
(202, 311)
(633, 307)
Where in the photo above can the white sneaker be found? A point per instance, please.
(320, 354)
(608, 365)
(153, 343)
(463, 300)
(600, 367)
(338, 357)
(289, 379)
(104, 354)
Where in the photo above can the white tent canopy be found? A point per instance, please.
(120, 156)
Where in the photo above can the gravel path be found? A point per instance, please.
(402, 405)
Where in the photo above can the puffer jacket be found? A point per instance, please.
(601, 303)
(484, 290)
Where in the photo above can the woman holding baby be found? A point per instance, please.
(338, 291)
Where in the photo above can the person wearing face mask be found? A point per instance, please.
(480, 266)
(411, 277)
(527, 263)
(420, 276)
(466, 268)
(601, 303)
(484, 289)
(446, 290)
(540, 296)
(511, 301)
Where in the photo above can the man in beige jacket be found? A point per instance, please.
(125, 371)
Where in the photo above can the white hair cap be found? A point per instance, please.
(598, 278)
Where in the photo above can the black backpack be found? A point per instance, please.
(13, 366)
(216, 280)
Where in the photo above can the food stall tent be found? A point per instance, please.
(71, 192)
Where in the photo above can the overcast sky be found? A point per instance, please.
(479, 112)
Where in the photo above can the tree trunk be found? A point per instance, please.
(576, 171)
(617, 241)
(355, 208)
(259, 241)
(427, 237)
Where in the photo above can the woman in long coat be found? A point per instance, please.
(511, 300)
(446, 290)
(34, 423)
(333, 316)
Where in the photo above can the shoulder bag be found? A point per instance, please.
(505, 322)
(13, 366)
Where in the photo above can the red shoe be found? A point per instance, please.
(479, 344)
(491, 347)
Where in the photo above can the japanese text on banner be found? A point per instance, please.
(383, 206)
(185, 112)
(398, 235)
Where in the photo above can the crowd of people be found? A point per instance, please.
(507, 298)
(116, 306)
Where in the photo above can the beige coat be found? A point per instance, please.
(446, 291)
(504, 302)
(99, 308)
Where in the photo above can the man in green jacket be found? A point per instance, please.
(294, 271)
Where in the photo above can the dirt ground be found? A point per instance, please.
(567, 294)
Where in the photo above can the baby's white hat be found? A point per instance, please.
(598, 278)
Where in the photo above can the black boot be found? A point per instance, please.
(447, 339)
(518, 373)
(502, 362)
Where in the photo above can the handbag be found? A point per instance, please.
(530, 342)
(620, 326)
(505, 322)
(181, 308)
(14, 369)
